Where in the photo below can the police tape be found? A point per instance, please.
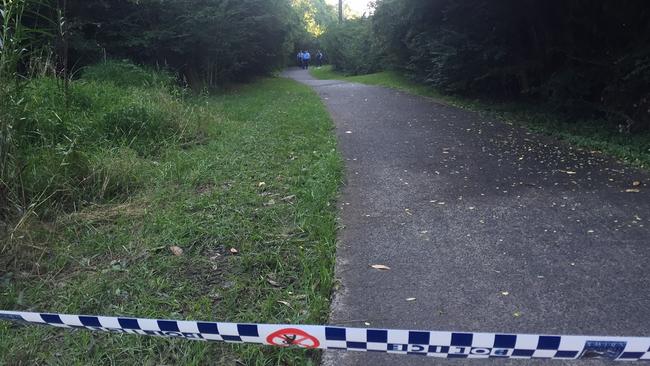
(426, 343)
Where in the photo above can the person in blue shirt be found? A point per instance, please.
(306, 57)
(299, 59)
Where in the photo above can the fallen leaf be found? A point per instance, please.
(348, 132)
(285, 303)
(366, 323)
(636, 183)
(411, 299)
(273, 283)
(288, 198)
(234, 251)
(632, 190)
(270, 203)
(261, 184)
(380, 267)
(516, 314)
(505, 293)
(569, 172)
(177, 251)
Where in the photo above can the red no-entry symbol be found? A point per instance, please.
(292, 337)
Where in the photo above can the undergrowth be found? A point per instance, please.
(243, 182)
(64, 151)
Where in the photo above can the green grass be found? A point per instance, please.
(587, 134)
(263, 180)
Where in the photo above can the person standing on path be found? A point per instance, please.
(306, 57)
(319, 58)
(299, 59)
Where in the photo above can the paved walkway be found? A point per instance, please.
(489, 227)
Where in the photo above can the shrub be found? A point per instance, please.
(351, 48)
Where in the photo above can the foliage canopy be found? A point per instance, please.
(590, 58)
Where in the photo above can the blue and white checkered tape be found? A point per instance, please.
(413, 342)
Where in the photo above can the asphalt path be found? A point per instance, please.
(487, 226)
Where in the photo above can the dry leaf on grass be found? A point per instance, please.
(234, 251)
(177, 251)
(272, 282)
(285, 303)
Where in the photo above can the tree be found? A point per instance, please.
(207, 41)
(590, 58)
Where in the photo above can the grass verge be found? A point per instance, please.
(253, 209)
(587, 134)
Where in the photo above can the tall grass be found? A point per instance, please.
(12, 35)
(15, 51)
(87, 144)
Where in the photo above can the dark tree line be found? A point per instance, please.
(586, 57)
(206, 41)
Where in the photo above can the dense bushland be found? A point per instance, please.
(589, 59)
(351, 47)
(207, 41)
